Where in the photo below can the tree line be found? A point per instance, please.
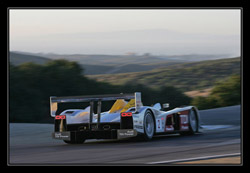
(31, 85)
(225, 93)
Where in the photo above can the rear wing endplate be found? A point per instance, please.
(69, 99)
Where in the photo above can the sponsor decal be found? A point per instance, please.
(126, 114)
(125, 133)
(169, 127)
(184, 127)
(159, 124)
(184, 122)
(61, 135)
(138, 127)
(60, 117)
(138, 102)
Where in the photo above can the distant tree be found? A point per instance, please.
(224, 93)
(172, 95)
(31, 85)
(228, 92)
(204, 102)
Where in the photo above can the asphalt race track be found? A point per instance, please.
(31, 144)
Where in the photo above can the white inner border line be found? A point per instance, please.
(196, 158)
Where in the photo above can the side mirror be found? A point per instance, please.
(165, 105)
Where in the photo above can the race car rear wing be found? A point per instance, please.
(99, 98)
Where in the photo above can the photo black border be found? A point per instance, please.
(240, 6)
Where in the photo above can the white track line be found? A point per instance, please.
(215, 127)
(196, 158)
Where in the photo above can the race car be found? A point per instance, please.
(127, 118)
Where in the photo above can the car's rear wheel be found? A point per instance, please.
(149, 125)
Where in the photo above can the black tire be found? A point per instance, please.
(148, 125)
(193, 123)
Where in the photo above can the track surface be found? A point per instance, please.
(31, 144)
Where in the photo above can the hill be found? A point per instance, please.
(187, 76)
(17, 59)
(99, 59)
(98, 64)
(113, 64)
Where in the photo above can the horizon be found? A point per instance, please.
(122, 54)
(117, 32)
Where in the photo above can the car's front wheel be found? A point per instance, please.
(193, 123)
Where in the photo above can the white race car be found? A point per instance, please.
(126, 118)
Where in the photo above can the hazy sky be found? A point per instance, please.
(117, 31)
